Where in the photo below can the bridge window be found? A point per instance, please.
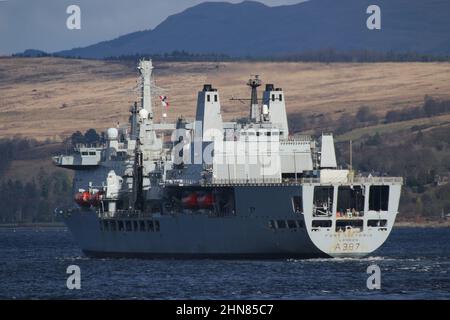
(281, 97)
(215, 98)
(343, 225)
(92, 153)
(142, 226)
(156, 225)
(377, 223)
(321, 224)
(379, 198)
(323, 201)
(208, 97)
(135, 226)
(350, 201)
(120, 228)
(128, 226)
(150, 225)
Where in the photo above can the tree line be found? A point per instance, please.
(431, 107)
(12, 148)
(326, 55)
(365, 117)
(90, 137)
(34, 199)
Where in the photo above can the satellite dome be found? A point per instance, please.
(143, 113)
(112, 133)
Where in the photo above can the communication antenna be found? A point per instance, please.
(351, 173)
(351, 155)
(241, 100)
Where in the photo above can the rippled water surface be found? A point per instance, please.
(414, 262)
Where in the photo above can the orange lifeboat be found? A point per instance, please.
(206, 200)
(190, 200)
(83, 199)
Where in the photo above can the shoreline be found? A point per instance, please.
(424, 224)
(398, 224)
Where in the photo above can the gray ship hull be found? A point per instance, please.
(222, 238)
(247, 234)
(264, 225)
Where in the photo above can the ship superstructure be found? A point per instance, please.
(211, 188)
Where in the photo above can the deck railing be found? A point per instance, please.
(284, 181)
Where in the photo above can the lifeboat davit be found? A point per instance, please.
(206, 200)
(190, 200)
(95, 199)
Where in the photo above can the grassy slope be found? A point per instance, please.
(97, 94)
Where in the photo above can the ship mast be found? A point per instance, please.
(146, 68)
(254, 83)
(147, 133)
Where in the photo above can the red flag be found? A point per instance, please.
(164, 101)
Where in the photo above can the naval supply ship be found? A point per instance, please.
(208, 188)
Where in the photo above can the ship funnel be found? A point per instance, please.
(208, 119)
(328, 155)
(274, 99)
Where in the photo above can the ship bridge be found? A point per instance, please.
(84, 157)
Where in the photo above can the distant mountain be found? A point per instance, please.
(253, 29)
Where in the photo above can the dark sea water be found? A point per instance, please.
(414, 262)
